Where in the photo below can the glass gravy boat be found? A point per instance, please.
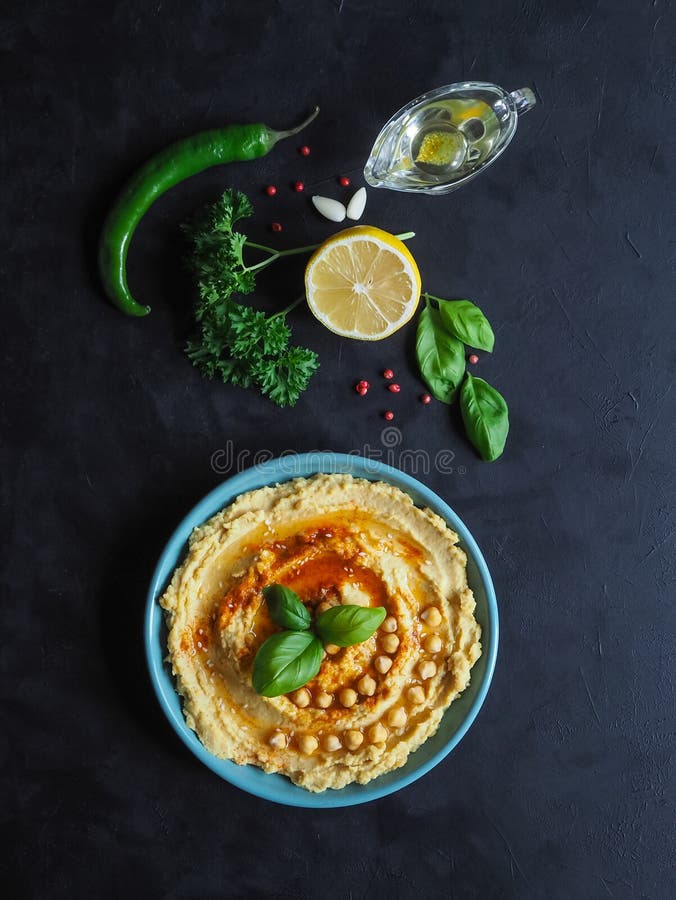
(444, 138)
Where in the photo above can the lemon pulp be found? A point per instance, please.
(363, 283)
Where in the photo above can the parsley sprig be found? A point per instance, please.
(233, 341)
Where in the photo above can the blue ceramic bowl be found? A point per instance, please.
(457, 718)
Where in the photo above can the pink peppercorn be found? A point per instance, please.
(389, 415)
(362, 387)
(425, 398)
(474, 359)
(344, 181)
(271, 190)
(394, 388)
(388, 373)
(298, 187)
(276, 226)
(304, 150)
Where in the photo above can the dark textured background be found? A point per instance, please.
(564, 787)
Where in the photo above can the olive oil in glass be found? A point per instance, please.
(444, 138)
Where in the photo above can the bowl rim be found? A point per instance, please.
(284, 468)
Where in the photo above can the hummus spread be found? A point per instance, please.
(331, 539)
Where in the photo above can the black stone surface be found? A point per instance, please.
(564, 786)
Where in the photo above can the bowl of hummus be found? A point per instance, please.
(340, 533)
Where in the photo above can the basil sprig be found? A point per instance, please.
(286, 608)
(348, 625)
(485, 415)
(441, 357)
(444, 328)
(466, 321)
(285, 662)
(289, 659)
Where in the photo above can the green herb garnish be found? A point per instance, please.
(289, 659)
(441, 357)
(286, 608)
(348, 625)
(485, 415)
(285, 662)
(444, 328)
(466, 321)
(235, 342)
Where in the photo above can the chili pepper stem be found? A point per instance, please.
(280, 135)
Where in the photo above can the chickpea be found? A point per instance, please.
(353, 739)
(431, 616)
(427, 669)
(432, 643)
(383, 664)
(390, 643)
(330, 742)
(277, 740)
(358, 599)
(331, 649)
(397, 717)
(377, 733)
(307, 743)
(389, 625)
(347, 697)
(301, 697)
(416, 694)
(367, 686)
(323, 700)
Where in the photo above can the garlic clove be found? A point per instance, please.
(357, 204)
(333, 210)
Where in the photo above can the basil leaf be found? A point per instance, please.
(466, 321)
(286, 608)
(441, 357)
(285, 662)
(348, 625)
(484, 412)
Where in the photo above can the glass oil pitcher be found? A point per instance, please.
(443, 139)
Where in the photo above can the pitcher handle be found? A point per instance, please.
(524, 99)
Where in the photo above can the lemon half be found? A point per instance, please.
(363, 283)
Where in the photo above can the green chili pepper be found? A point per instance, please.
(176, 163)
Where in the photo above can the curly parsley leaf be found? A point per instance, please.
(285, 378)
(254, 333)
(239, 344)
